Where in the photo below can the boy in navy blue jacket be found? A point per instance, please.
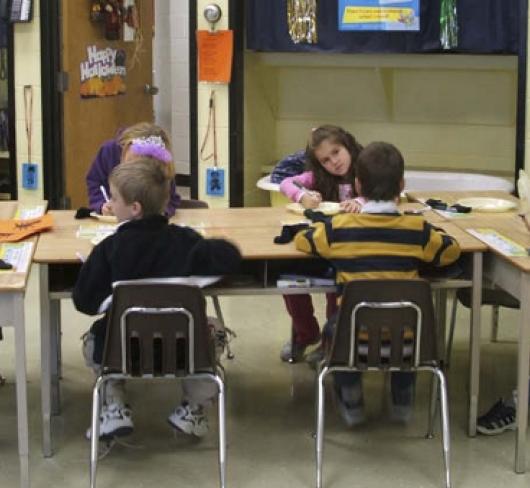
(145, 245)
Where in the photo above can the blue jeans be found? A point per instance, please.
(401, 383)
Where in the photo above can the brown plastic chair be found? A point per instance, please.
(157, 329)
(495, 297)
(385, 325)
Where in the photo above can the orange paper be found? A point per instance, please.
(215, 55)
(13, 230)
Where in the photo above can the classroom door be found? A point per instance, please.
(121, 100)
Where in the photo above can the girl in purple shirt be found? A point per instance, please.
(122, 149)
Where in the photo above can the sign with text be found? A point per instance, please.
(103, 73)
(379, 15)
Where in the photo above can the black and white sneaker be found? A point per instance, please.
(499, 418)
(189, 419)
(115, 420)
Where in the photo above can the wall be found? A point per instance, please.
(171, 76)
(443, 112)
(27, 72)
(222, 117)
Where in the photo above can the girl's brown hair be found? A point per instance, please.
(326, 183)
(144, 130)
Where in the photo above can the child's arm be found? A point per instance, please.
(294, 192)
(440, 249)
(94, 283)
(314, 239)
(214, 257)
(106, 159)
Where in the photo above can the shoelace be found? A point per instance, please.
(109, 445)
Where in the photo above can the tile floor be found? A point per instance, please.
(270, 409)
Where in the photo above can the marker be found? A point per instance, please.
(104, 192)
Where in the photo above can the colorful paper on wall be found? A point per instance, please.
(379, 15)
(215, 51)
(103, 73)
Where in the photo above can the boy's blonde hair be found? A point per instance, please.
(142, 130)
(144, 181)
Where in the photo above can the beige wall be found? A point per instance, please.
(27, 72)
(222, 117)
(443, 112)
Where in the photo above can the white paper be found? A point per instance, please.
(30, 212)
(18, 254)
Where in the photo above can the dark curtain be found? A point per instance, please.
(485, 26)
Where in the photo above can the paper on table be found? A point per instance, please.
(90, 231)
(499, 242)
(26, 212)
(17, 254)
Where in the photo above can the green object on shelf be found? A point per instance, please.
(448, 24)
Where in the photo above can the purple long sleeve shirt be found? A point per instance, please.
(107, 158)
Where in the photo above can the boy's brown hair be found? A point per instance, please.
(143, 180)
(380, 171)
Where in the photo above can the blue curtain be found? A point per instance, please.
(485, 26)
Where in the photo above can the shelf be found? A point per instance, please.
(418, 61)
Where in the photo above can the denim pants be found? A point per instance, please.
(401, 383)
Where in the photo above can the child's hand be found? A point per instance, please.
(311, 199)
(106, 209)
(350, 206)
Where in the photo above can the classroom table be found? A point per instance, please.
(12, 291)
(513, 275)
(252, 229)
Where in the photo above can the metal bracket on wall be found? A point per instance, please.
(62, 81)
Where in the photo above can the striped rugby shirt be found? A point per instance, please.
(382, 245)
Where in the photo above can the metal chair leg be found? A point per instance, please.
(432, 407)
(319, 444)
(494, 323)
(94, 430)
(446, 435)
(222, 431)
(449, 346)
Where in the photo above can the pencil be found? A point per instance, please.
(104, 192)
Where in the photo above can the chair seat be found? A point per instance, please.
(490, 296)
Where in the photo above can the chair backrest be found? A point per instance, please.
(156, 327)
(385, 324)
(191, 203)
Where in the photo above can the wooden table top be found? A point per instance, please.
(509, 224)
(252, 229)
(13, 280)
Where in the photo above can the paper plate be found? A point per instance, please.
(111, 219)
(328, 208)
(485, 204)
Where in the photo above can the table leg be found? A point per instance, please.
(21, 378)
(474, 343)
(522, 375)
(46, 369)
(55, 355)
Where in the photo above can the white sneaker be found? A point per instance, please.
(190, 420)
(115, 420)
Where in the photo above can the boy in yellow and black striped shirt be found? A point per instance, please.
(377, 243)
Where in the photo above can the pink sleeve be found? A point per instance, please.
(291, 191)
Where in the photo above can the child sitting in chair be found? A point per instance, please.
(377, 243)
(145, 245)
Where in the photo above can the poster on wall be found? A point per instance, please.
(379, 15)
(103, 73)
